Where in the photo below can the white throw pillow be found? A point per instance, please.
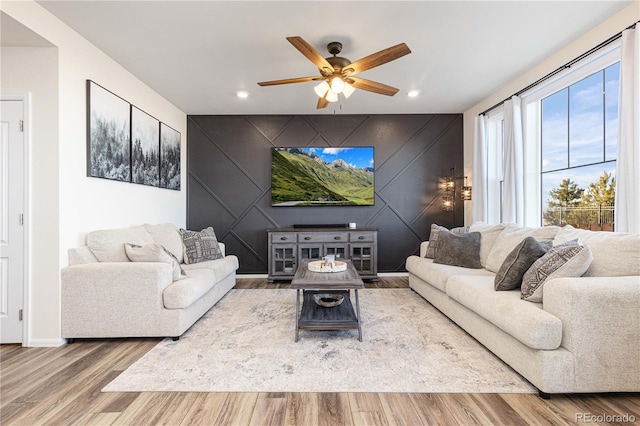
(155, 253)
(488, 233)
(168, 236)
(570, 259)
(508, 239)
(108, 245)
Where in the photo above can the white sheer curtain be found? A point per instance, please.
(479, 172)
(627, 202)
(513, 186)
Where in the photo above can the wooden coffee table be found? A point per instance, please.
(315, 317)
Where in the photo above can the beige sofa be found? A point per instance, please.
(583, 337)
(106, 295)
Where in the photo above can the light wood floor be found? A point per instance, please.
(60, 386)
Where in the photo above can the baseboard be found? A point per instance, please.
(252, 275)
(45, 343)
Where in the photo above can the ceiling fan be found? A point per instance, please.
(337, 72)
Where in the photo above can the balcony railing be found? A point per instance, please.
(596, 218)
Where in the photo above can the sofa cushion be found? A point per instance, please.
(570, 259)
(525, 321)
(615, 254)
(459, 249)
(168, 236)
(437, 274)
(182, 294)
(509, 276)
(155, 253)
(200, 246)
(488, 233)
(221, 267)
(508, 239)
(108, 245)
(434, 238)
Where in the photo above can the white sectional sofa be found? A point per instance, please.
(585, 334)
(106, 295)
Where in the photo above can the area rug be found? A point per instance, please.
(245, 343)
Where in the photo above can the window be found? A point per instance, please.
(578, 138)
(570, 133)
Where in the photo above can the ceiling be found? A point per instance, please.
(198, 54)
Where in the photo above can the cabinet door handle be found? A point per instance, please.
(284, 238)
(336, 238)
(307, 238)
(361, 237)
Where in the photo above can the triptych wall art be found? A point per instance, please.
(125, 143)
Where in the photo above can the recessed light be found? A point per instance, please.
(413, 93)
(242, 94)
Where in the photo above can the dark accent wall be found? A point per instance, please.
(229, 178)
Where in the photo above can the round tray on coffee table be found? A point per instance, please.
(321, 266)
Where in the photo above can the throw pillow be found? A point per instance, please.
(155, 253)
(434, 238)
(571, 259)
(200, 246)
(459, 249)
(489, 234)
(108, 245)
(510, 238)
(509, 276)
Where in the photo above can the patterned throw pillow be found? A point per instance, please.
(509, 276)
(434, 238)
(571, 259)
(459, 249)
(155, 253)
(200, 246)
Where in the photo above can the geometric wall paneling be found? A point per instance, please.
(229, 178)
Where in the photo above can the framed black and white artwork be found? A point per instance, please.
(108, 134)
(145, 148)
(169, 157)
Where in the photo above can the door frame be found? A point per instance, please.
(26, 282)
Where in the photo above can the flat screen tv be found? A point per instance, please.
(333, 176)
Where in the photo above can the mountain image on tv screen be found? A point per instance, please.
(333, 176)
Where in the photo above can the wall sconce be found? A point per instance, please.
(449, 184)
(448, 200)
(447, 203)
(466, 191)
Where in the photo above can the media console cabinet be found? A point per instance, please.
(289, 246)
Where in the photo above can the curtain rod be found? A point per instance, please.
(563, 67)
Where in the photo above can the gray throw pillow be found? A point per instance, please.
(155, 253)
(509, 276)
(200, 246)
(571, 259)
(434, 238)
(459, 249)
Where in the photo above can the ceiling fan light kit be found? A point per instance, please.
(337, 72)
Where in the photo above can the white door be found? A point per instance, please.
(11, 220)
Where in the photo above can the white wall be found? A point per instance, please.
(85, 204)
(597, 35)
(34, 70)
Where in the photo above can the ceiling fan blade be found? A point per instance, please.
(376, 59)
(312, 54)
(290, 80)
(372, 86)
(322, 102)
